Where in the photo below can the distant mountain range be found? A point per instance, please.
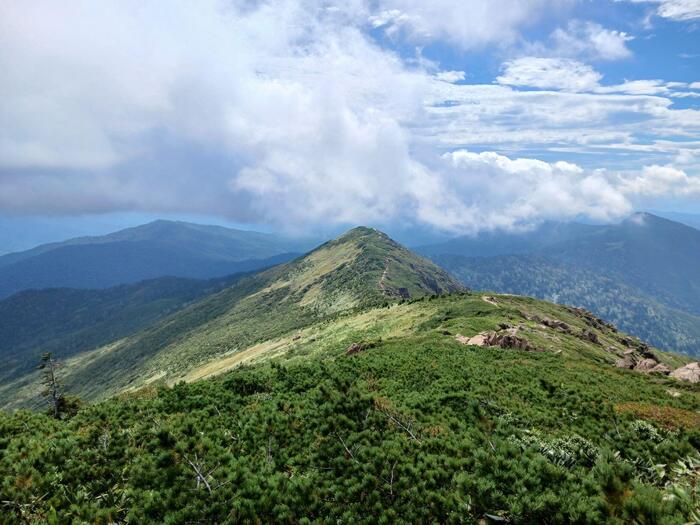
(157, 249)
(642, 274)
(689, 219)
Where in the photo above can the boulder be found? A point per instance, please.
(591, 336)
(508, 339)
(557, 325)
(689, 372)
(628, 361)
(512, 341)
(646, 365)
(353, 349)
(660, 369)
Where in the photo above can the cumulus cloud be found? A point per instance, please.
(549, 73)
(590, 40)
(677, 10)
(489, 190)
(291, 113)
(654, 181)
(466, 23)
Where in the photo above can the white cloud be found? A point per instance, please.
(678, 10)
(655, 181)
(590, 40)
(467, 23)
(549, 73)
(451, 76)
(288, 112)
(489, 190)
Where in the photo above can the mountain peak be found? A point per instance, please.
(374, 266)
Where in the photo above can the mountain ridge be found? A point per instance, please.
(361, 268)
(157, 249)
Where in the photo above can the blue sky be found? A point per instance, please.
(312, 115)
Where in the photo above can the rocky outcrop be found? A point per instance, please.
(646, 365)
(593, 321)
(353, 349)
(356, 348)
(628, 361)
(557, 325)
(689, 372)
(504, 339)
(660, 369)
(646, 362)
(590, 336)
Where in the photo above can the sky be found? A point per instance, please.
(450, 116)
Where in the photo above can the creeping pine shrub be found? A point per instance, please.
(565, 451)
(647, 431)
(682, 485)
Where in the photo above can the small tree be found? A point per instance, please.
(52, 388)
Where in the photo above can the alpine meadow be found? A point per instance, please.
(387, 261)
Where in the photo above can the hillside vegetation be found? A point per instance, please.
(537, 276)
(69, 321)
(642, 274)
(360, 269)
(380, 414)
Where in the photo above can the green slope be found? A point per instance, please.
(415, 427)
(642, 274)
(68, 321)
(630, 308)
(362, 268)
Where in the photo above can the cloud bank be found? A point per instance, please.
(298, 114)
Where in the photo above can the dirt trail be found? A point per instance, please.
(382, 286)
(489, 299)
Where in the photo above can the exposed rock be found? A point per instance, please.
(512, 341)
(646, 351)
(557, 325)
(502, 340)
(645, 365)
(353, 349)
(689, 372)
(593, 321)
(628, 361)
(591, 336)
(660, 369)
(477, 340)
(489, 299)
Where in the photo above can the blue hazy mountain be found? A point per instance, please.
(157, 249)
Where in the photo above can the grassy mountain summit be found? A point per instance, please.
(360, 269)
